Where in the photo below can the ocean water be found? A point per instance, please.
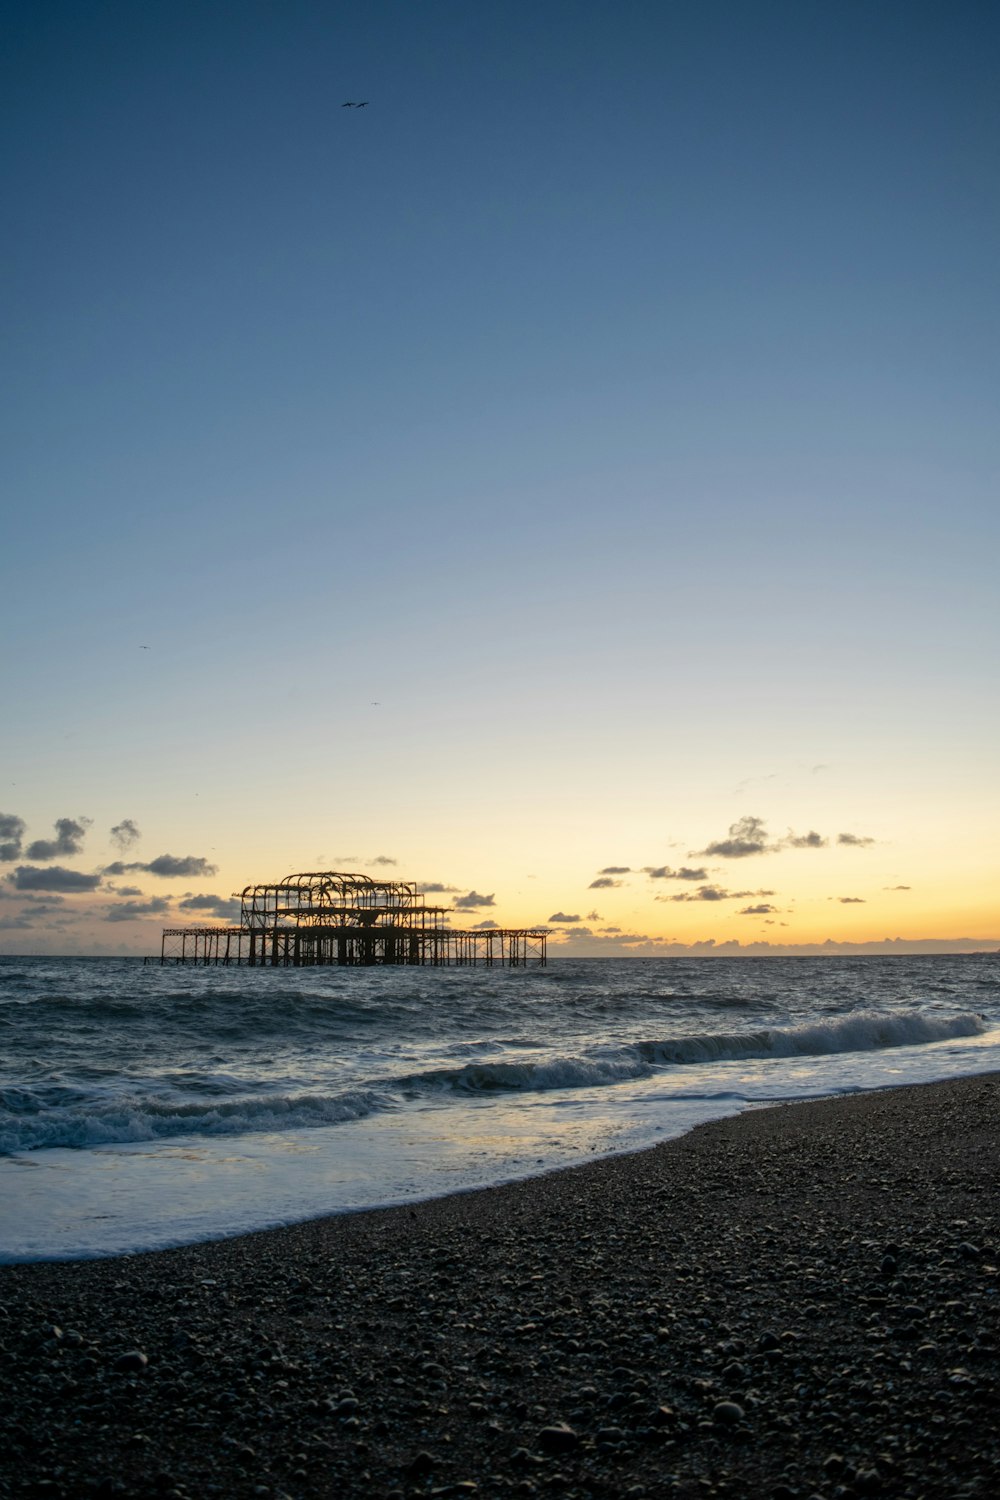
(144, 1106)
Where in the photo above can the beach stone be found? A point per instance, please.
(728, 1413)
(132, 1363)
(610, 1435)
(845, 1383)
(421, 1463)
(559, 1438)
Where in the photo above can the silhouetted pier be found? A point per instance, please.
(328, 917)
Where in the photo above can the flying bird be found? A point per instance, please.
(348, 104)
(362, 105)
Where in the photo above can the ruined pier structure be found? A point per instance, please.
(331, 918)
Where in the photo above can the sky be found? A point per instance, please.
(569, 480)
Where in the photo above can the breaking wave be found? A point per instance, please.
(147, 1120)
(862, 1032)
(46, 1117)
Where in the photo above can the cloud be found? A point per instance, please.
(55, 878)
(604, 883)
(472, 901)
(747, 836)
(594, 916)
(68, 840)
(704, 893)
(226, 908)
(664, 872)
(615, 870)
(435, 888)
(562, 917)
(167, 866)
(11, 836)
(810, 840)
(638, 944)
(750, 781)
(381, 859)
(897, 888)
(125, 834)
(125, 890)
(848, 900)
(485, 926)
(713, 893)
(34, 907)
(20, 923)
(763, 910)
(584, 940)
(132, 911)
(855, 840)
(170, 865)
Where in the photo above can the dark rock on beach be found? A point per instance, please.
(800, 1302)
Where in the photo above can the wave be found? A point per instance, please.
(867, 1031)
(127, 1122)
(508, 1077)
(864, 1031)
(58, 1116)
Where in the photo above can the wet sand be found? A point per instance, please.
(801, 1301)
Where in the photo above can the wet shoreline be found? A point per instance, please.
(795, 1301)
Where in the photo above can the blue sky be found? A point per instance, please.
(600, 420)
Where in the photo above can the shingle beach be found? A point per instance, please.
(800, 1301)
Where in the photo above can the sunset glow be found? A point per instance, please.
(583, 459)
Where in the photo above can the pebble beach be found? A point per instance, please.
(798, 1301)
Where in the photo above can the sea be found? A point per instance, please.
(145, 1106)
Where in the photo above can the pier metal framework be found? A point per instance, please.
(330, 917)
